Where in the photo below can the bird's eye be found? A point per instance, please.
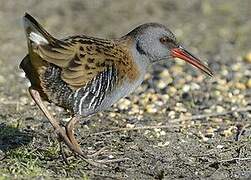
(165, 40)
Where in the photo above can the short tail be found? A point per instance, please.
(35, 33)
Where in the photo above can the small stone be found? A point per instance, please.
(204, 138)
(110, 156)
(164, 74)
(24, 100)
(147, 132)
(248, 84)
(186, 88)
(219, 146)
(66, 119)
(219, 109)
(135, 110)
(209, 132)
(2, 79)
(181, 82)
(180, 108)
(149, 97)
(248, 57)
(151, 109)
(180, 62)
(228, 132)
(159, 103)
(157, 130)
(32, 103)
(124, 104)
(161, 144)
(217, 120)
(230, 95)
(152, 97)
(140, 117)
(217, 93)
(240, 86)
(161, 84)
(188, 114)
(130, 125)
(59, 109)
(172, 90)
(2, 154)
(207, 111)
(195, 86)
(112, 114)
(171, 114)
(162, 133)
(165, 97)
(236, 114)
(236, 92)
(236, 67)
(177, 70)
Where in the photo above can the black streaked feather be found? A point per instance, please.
(97, 89)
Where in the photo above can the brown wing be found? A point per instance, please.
(81, 59)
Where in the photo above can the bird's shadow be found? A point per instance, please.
(12, 137)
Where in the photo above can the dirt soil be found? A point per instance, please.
(180, 124)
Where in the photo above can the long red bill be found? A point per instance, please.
(183, 54)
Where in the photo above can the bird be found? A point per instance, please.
(86, 75)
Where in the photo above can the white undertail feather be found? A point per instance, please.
(37, 38)
(35, 33)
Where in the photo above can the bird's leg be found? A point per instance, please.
(70, 133)
(59, 130)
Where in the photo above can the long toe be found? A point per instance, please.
(62, 134)
(74, 142)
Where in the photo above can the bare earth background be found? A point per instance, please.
(178, 124)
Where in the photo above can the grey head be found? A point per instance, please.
(156, 42)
